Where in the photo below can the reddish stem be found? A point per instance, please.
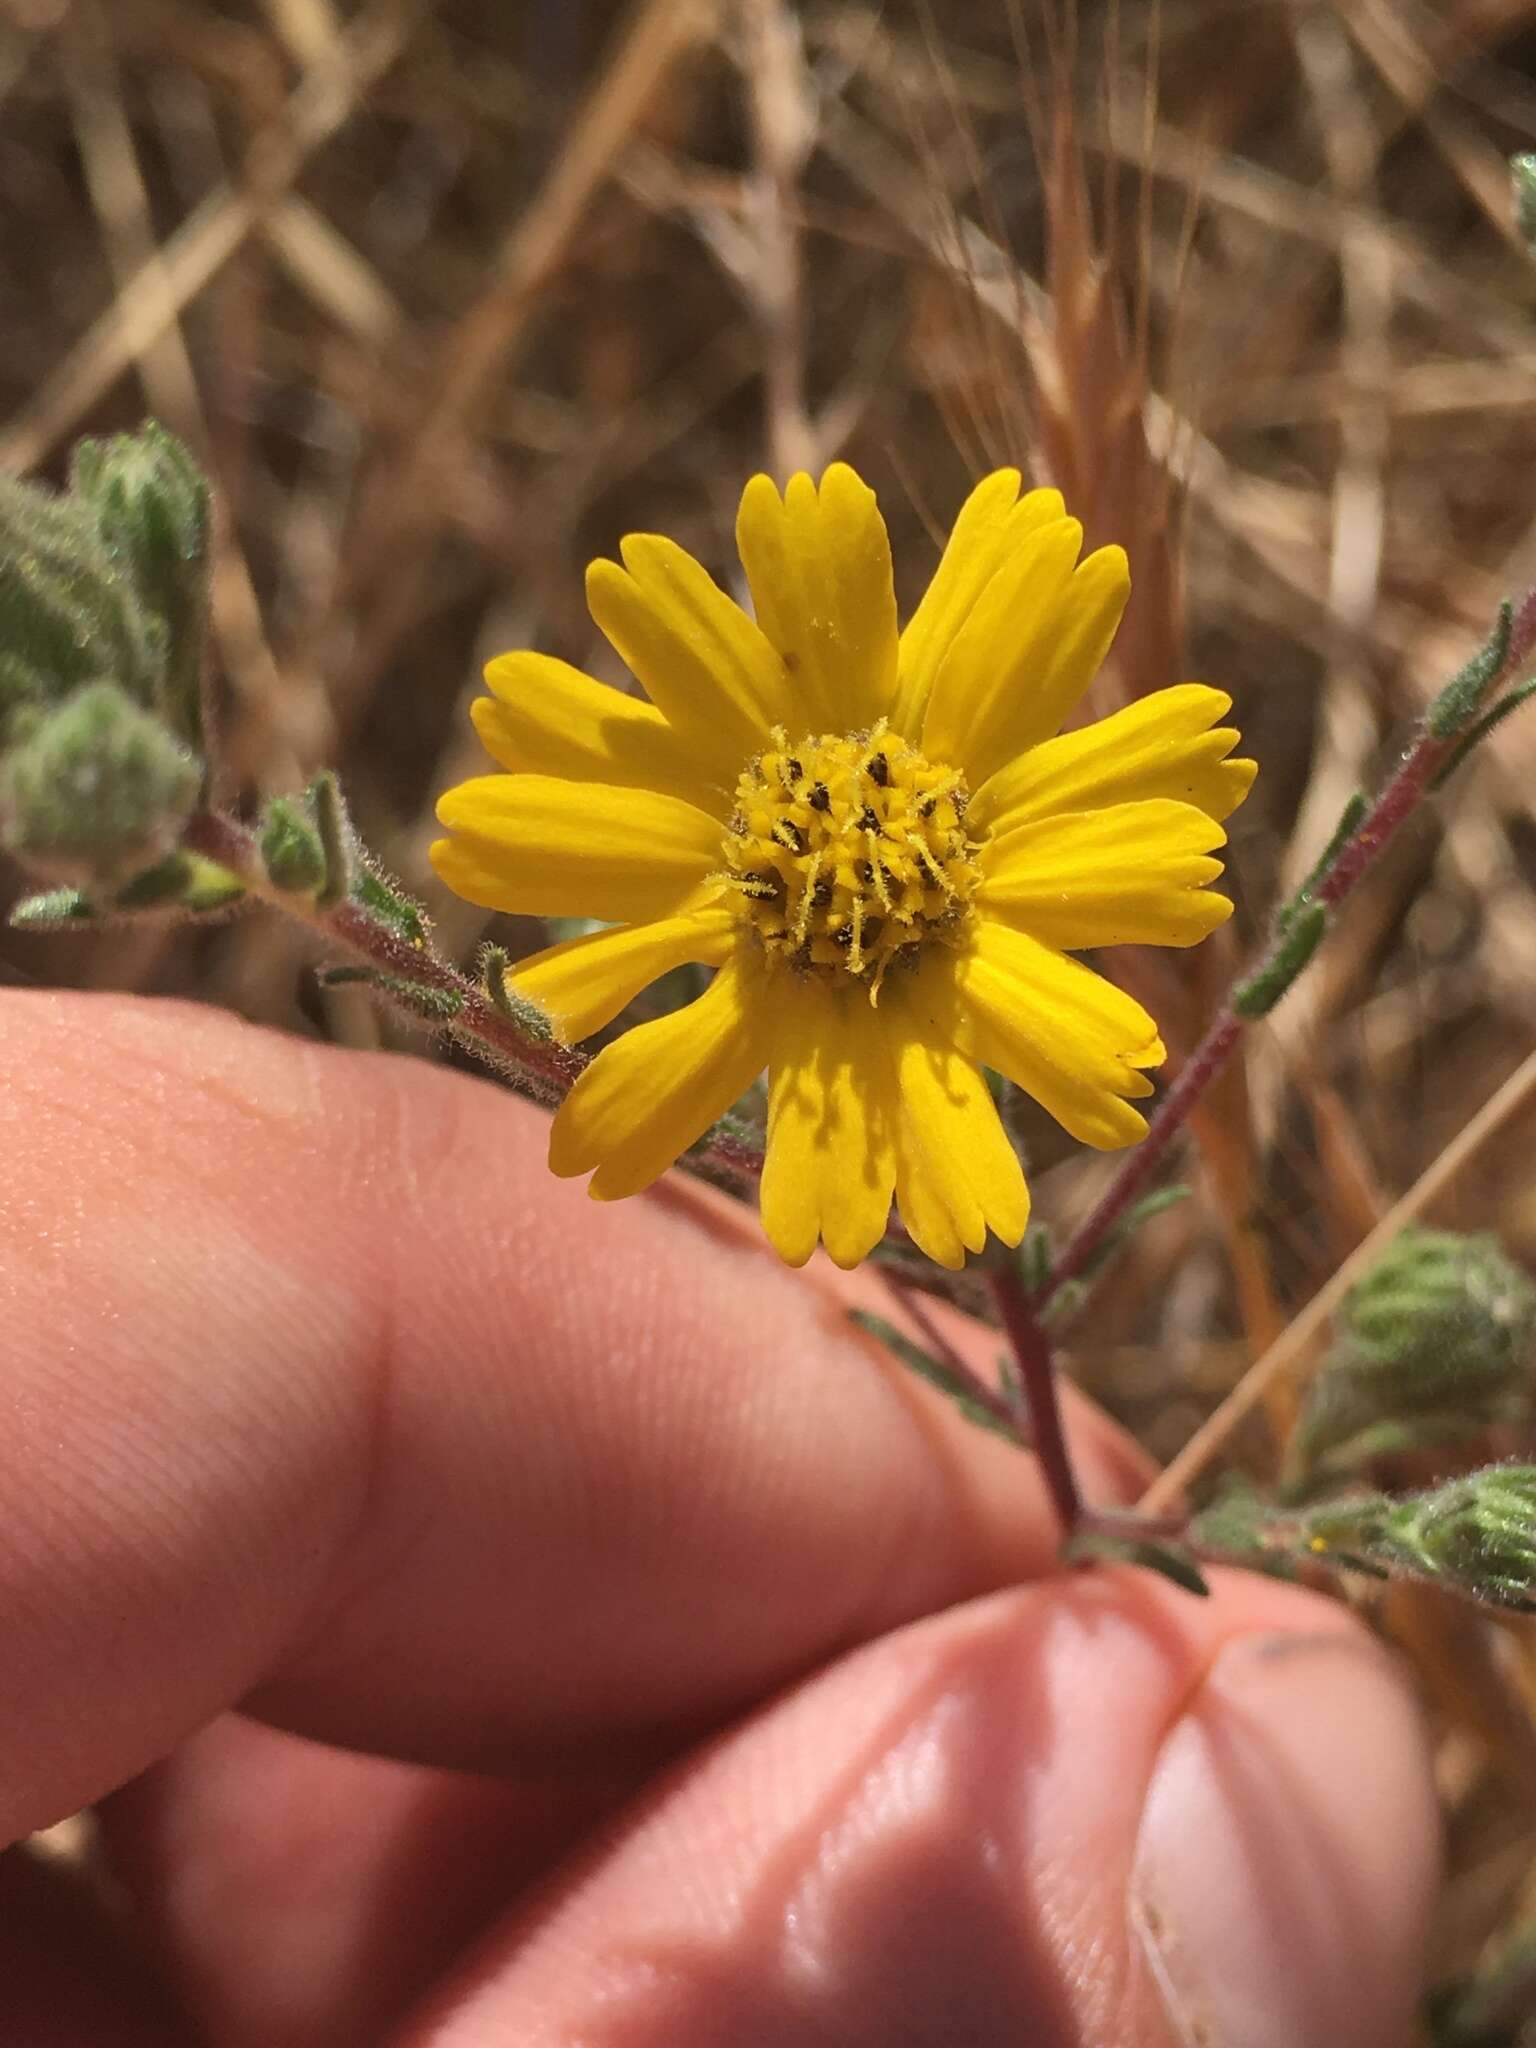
(1396, 803)
(1168, 1119)
(1037, 1372)
(550, 1067)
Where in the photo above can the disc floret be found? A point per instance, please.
(848, 851)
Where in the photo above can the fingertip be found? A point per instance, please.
(1288, 1852)
(1041, 1816)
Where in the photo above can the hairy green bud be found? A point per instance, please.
(1433, 1342)
(66, 615)
(103, 601)
(1477, 1533)
(150, 505)
(291, 848)
(98, 790)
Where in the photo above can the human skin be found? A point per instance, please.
(502, 1618)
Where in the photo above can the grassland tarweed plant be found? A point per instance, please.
(863, 857)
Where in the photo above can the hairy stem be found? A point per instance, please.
(541, 1066)
(1169, 1118)
(1396, 803)
(1037, 1374)
(1405, 790)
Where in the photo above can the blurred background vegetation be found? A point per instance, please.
(449, 297)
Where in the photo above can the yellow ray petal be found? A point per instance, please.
(1029, 650)
(819, 566)
(563, 849)
(584, 983)
(831, 1167)
(925, 1212)
(949, 1119)
(997, 659)
(649, 1095)
(1133, 874)
(1067, 1037)
(702, 661)
(547, 718)
(992, 523)
(1167, 745)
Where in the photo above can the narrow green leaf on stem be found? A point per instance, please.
(1263, 989)
(1035, 1257)
(52, 907)
(401, 912)
(933, 1370)
(335, 829)
(1350, 820)
(182, 881)
(1169, 1561)
(1475, 736)
(494, 962)
(432, 1005)
(1459, 700)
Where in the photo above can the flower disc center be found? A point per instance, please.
(848, 850)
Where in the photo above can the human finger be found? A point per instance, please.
(321, 1393)
(1091, 1813)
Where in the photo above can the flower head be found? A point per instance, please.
(878, 838)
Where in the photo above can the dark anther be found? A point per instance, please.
(821, 895)
(927, 807)
(879, 771)
(820, 798)
(869, 818)
(764, 883)
(843, 936)
(865, 870)
(793, 770)
(788, 833)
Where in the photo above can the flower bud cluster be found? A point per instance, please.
(103, 600)
(1433, 1343)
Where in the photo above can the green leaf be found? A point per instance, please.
(1461, 696)
(1166, 1559)
(934, 1371)
(182, 881)
(1475, 736)
(1350, 820)
(432, 1005)
(390, 905)
(52, 907)
(1263, 989)
(529, 1018)
(337, 842)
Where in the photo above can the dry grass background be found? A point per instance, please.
(450, 296)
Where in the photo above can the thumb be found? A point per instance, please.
(1092, 1811)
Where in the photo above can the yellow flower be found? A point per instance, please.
(876, 839)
